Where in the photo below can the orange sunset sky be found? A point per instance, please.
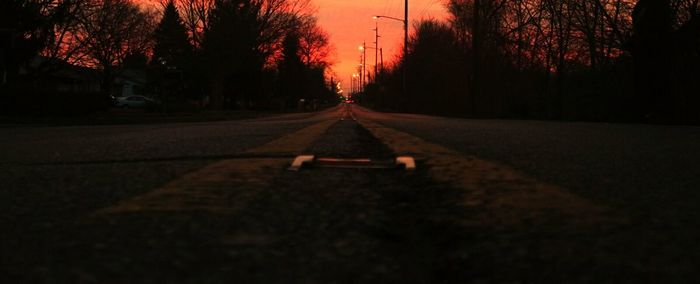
(349, 23)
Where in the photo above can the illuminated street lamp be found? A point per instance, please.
(405, 39)
(388, 17)
(405, 28)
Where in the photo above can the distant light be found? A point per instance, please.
(361, 47)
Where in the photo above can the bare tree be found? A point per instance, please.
(314, 49)
(598, 29)
(195, 16)
(108, 31)
(241, 44)
(277, 18)
(66, 44)
(43, 27)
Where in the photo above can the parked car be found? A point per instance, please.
(135, 102)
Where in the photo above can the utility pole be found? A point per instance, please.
(405, 42)
(405, 46)
(476, 49)
(364, 66)
(376, 49)
(360, 74)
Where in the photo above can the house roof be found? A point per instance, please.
(64, 70)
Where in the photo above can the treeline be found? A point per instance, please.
(600, 60)
(219, 54)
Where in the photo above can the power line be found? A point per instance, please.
(426, 7)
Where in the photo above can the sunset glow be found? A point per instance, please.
(350, 23)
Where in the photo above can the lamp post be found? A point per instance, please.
(376, 48)
(363, 66)
(405, 41)
(405, 27)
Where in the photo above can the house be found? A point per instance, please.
(61, 77)
(130, 82)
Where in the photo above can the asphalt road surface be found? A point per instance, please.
(489, 202)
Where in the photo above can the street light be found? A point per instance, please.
(405, 27)
(388, 17)
(405, 40)
(362, 63)
(355, 83)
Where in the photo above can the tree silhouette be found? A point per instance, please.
(195, 15)
(240, 45)
(291, 70)
(651, 48)
(439, 89)
(29, 27)
(314, 45)
(172, 55)
(233, 55)
(108, 32)
(570, 59)
(172, 46)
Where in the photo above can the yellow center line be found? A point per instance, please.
(500, 193)
(225, 186)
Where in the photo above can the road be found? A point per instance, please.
(490, 202)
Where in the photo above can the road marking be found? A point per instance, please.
(407, 161)
(502, 194)
(225, 186)
(299, 161)
(294, 143)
